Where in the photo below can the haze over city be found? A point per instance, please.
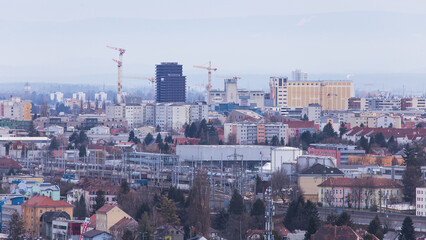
(377, 42)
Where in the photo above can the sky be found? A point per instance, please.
(65, 41)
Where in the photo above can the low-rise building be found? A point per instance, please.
(310, 178)
(108, 215)
(363, 192)
(339, 151)
(421, 201)
(35, 207)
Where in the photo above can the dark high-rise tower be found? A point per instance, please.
(171, 85)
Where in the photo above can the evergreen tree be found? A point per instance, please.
(99, 199)
(362, 125)
(221, 219)
(54, 144)
(187, 130)
(375, 227)
(282, 142)
(342, 129)
(328, 131)
(275, 141)
(258, 208)
(380, 139)
(199, 204)
(32, 132)
(124, 187)
(143, 208)
(407, 230)
(312, 228)
(236, 205)
(131, 136)
(148, 139)
(158, 139)
(363, 143)
(412, 176)
(192, 130)
(82, 151)
(80, 210)
(344, 219)
(167, 210)
(259, 184)
(305, 118)
(16, 227)
(392, 145)
(144, 226)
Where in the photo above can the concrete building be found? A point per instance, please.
(57, 97)
(339, 151)
(298, 75)
(252, 133)
(251, 155)
(134, 115)
(34, 208)
(108, 215)
(101, 97)
(15, 108)
(331, 95)
(344, 192)
(312, 111)
(81, 96)
(421, 201)
(384, 104)
(170, 83)
(413, 103)
(231, 94)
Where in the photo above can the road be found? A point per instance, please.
(393, 220)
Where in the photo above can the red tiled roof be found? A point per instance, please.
(43, 201)
(387, 132)
(335, 232)
(300, 124)
(360, 182)
(124, 222)
(92, 221)
(106, 208)
(6, 162)
(282, 231)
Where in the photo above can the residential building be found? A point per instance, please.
(198, 111)
(169, 232)
(310, 178)
(312, 111)
(111, 194)
(108, 215)
(298, 75)
(384, 104)
(359, 192)
(413, 103)
(357, 103)
(296, 128)
(96, 235)
(331, 95)
(101, 97)
(339, 151)
(47, 222)
(402, 136)
(421, 201)
(337, 232)
(244, 115)
(15, 108)
(81, 96)
(99, 130)
(170, 82)
(252, 133)
(35, 207)
(66, 229)
(134, 115)
(57, 97)
(231, 94)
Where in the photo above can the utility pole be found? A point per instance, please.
(269, 212)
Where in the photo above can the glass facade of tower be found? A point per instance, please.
(171, 85)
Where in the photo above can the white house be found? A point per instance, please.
(54, 130)
(99, 130)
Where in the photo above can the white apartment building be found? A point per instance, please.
(250, 133)
(16, 109)
(115, 111)
(101, 96)
(134, 115)
(421, 201)
(313, 112)
(57, 96)
(79, 96)
(198, 111)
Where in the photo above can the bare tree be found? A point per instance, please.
(199, 203)
(281, 185)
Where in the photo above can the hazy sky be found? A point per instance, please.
(65, 40)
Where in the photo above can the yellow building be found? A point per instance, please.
(27, 111)
(362, 192)
(331, 95)
(32, 210)
(310, 178)
(108, 215)
(375, 160)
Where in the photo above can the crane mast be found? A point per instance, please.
(120, 97)
(209, 85)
